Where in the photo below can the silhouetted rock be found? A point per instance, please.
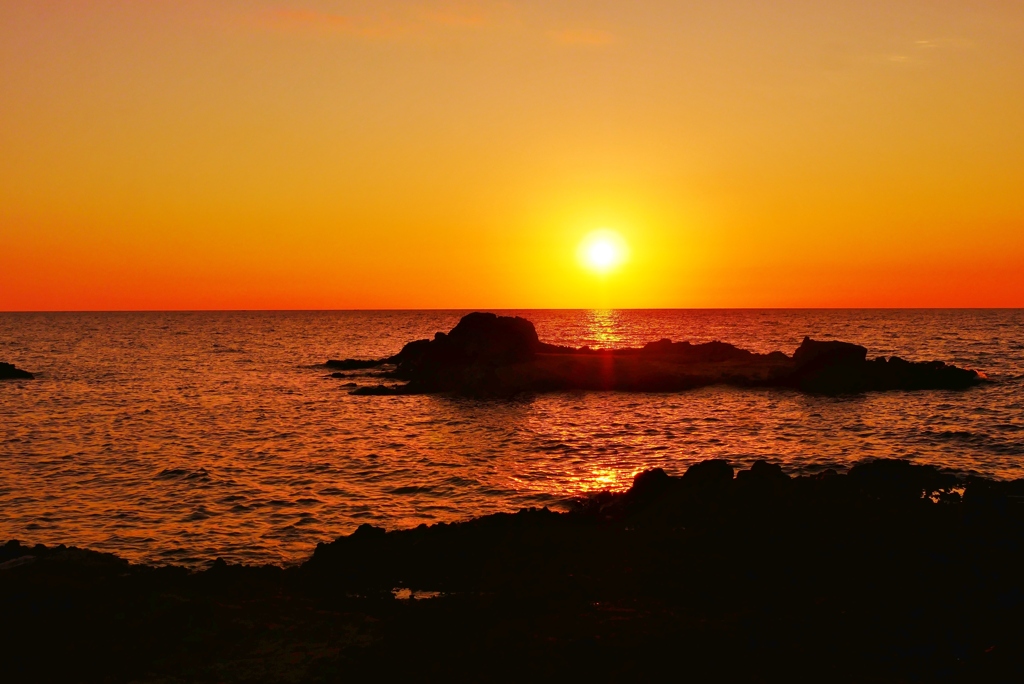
(653, 480)
(763, 471)
(465, 358)
(487, 354)
(368, 532)
(843, 375)
(882, 574)
(708, 352)
(900, 479)
(712, 473)
(812, 354)
(764, 481)
(9, 371)
(649, 485)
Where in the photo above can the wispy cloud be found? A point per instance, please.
(943, 43)
(921, 50)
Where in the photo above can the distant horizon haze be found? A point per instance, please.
(440, 154)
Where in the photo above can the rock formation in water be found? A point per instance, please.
(893, 572)
(9, 371)
(487, 354)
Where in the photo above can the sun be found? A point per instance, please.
(603, 251)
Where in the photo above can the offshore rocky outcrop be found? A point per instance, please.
(893, 572)
(9, 371)
(487, 354)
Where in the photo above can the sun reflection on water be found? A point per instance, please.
(604, 328)
(600, 480)
(584, 481)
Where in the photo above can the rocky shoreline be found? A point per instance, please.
(493, 355)
(891, 572)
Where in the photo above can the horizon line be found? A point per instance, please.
(491, 309)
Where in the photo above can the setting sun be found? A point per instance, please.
(603, 251)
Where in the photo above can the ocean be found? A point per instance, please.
(183, 437)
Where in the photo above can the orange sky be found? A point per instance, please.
(400, 154)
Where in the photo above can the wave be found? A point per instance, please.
(978, 440)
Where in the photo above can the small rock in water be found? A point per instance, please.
(8, 371)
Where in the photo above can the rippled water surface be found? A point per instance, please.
(180, 437)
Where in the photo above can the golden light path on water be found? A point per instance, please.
(604, 328)
(180, 437)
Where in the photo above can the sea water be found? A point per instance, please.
(181, 437)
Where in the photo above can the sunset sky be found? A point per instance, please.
(319, 154)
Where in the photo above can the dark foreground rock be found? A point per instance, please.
(890, 573)
(11, 372)
(487, 354)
